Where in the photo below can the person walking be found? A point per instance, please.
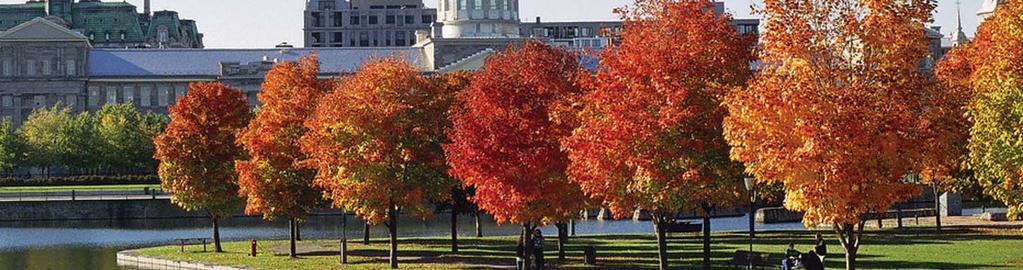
(821, 249)
(538, 250)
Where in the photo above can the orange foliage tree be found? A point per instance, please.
(651, 135)
(376, 144)
(271, 180)
(834, 111)
(197, 151)
(505, 139)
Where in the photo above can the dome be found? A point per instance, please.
(479, 18)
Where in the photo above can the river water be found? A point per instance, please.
(93, 244)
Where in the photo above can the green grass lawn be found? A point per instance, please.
(887, 249)
(77, 188)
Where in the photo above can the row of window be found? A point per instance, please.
(364, 39)
(478, 5)
(34, 68)
(165, 95)
(337, 19)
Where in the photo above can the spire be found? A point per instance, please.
(960, 36)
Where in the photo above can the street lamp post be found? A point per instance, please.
(749, 181)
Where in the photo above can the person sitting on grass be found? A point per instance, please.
(791, 258)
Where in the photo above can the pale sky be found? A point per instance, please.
(265, 23)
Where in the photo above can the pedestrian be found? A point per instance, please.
(812, 261)
(820, 248)
(538, 249)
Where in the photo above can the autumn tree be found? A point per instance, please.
(651, 135)
(996, 56)
(271, 179)
(197, 151)
(507, 128)
(833, 112)
(451, 83)
(376, 144)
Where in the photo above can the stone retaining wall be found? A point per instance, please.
(131, 260)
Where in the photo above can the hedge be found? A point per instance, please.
(80, 181)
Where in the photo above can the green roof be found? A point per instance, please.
(12, 15)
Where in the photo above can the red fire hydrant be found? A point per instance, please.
(252, 248)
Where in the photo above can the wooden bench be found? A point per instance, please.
(193, 241)
(682, 227)
(743, 258)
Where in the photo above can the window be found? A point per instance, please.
(354, 19)
(363, 39)
(372, 20)
(122, 36)
(8, 102)
(317, 22)
(327, 5)
(8, 67)
(145, 96)
(427, 19)
(128, 94)
(47, 67)
(93, 96)
(493, 4)
(463, 4)
(72, 68)
(111, 94)
(163, 96)
(316, 38)
(389, 19)
(30, 68)
(338, 18)
(505, 2)
(409, 19)
(161, 34)
(108, 36)
(338, 37)
(478, 4)
(399, 38)
(71, 101)
(39, 101)
(179, 91)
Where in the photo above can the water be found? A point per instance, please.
(93, 244)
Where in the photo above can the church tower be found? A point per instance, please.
(59, 8)
(478, 18)
(988, 8)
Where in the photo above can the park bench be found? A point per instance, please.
(193, 241)
(742, 258)
(682, 227)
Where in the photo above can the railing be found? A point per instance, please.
(73, 195)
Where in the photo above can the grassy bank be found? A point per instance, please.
(888, 249)
(77, 188)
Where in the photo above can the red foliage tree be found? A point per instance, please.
(651, 135)
(271, 180)
(197, 151)
(506, 134)
(376, 142)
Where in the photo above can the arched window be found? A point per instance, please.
(108, 36)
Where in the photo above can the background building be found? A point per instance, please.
(365, 23)
(109, 24)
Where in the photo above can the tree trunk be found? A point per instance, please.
(298, 231)
(454, 229)
(527, 247)
(216, 235)
(392, 229)
(850, 236)
(479, 229)
(344, 237)
(292, 224)
(937, 208)
(898, 216)
(365, 234)
(571, 224)
(562, 237)
(706, 236)
(662, 242)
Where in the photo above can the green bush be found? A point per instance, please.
(81, 181)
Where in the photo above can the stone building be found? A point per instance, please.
(365, 23)
(988, 8)
(109, 24)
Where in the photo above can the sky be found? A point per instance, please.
(265, 23)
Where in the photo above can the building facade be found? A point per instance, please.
(365, 23)
(109, 24)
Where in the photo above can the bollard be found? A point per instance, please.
(252, 248)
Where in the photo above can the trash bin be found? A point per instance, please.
(590, 255)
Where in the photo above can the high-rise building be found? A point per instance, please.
(108, 24)
(365, 23)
